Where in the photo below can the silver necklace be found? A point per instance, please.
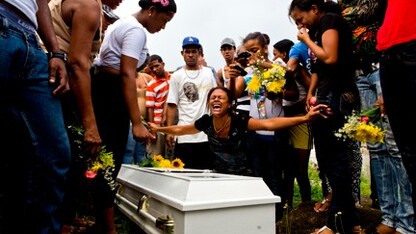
(197, 74)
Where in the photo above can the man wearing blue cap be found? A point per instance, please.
(188, 92)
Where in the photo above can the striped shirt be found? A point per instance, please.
(156, 95)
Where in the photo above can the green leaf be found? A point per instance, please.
(374, 114)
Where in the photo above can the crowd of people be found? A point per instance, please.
(75, 63)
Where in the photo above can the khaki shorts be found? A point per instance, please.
(300, 136)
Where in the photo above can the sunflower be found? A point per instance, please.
(177, 163)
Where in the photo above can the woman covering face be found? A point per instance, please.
(329, 38)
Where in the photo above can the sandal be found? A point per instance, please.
(322, 206)
(323, 230)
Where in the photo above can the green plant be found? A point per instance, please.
(365, 188)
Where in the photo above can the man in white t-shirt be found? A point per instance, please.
(188, 93)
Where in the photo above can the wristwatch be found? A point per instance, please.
(60, 55)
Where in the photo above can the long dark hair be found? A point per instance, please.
(256, 36)
(160, 5)
(306, 5)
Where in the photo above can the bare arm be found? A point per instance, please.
(46, 32)
(312, 88)
(300, 73)
(85, 21)
(150, 114)
(171, 112)
(328, 53)
(164, 117)
(187, 129)
(170, 118)
(220, 81)
(128, 83)
(292, 64)
(285, 122)
(237, 84)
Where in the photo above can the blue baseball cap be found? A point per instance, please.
(188, 41)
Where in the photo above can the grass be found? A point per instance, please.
(315, 181)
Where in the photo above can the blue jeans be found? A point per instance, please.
(386, 164)
(393, 185)
(35, 148)
(398, 82)
(135, 150)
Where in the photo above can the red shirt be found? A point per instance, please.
(156, 95)
(399, 24)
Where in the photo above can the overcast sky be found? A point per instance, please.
(213, 20)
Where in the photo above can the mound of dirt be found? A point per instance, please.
(304, 220)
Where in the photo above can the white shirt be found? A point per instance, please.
(125, 37)
(28, 7)
(188, 90)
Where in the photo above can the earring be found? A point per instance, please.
(150, 14)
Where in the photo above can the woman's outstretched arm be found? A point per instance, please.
(175, 129)
(285, 122)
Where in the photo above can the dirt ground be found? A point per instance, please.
(304, 220)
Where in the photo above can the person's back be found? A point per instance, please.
(396, 40)
(77, 24)
(31, 121)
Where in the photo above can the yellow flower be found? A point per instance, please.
(96, 166)
(160, 162)
(357, 129)
(158, 158)
(177, 163)
(103, 162)
(276, 86)
(271, 80)
(165, 163)
(267, 74)
(369, 132)
(254, 84)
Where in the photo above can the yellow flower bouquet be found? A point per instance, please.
(361, 127)
(272, 80)
(160, 162)
(103, 163)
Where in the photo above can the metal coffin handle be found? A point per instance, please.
(166, 224)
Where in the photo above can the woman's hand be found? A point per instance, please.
(380, 103)
(234, 71)
(318, 110)
(153, 127)
(303, 35)
(170, 140)
(310, 101)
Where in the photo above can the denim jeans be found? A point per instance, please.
(135, 150)
(398, 82)
(392, 183)
(35, 148)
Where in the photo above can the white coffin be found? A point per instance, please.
(195, 201)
